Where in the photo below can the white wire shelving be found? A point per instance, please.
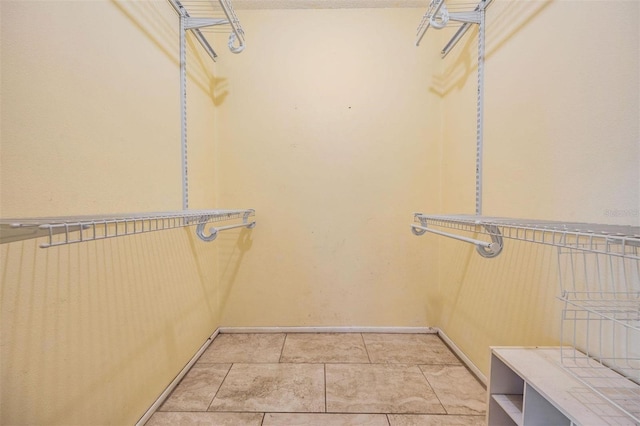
(198, 17)
(441, 14)
(203, 17)
(599, 276)
(76, 229)
(464, 15)
(614, 240)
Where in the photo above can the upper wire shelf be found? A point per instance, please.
(201, 15)
(76, 229)
(441, 14)
(615, 240)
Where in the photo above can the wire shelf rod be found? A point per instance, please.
(75, 229)
(614, 240)
(454, 236)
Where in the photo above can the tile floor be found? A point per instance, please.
(325, 379)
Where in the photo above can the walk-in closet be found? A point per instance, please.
(320, 212)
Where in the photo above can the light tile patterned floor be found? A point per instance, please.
(326, 379)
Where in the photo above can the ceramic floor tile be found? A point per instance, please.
(232, 348)
(306, 419)
(197, 388)
(457, 389)
(408, 349)
(324, 348)
(209, 419)
(379, 388)
(437, 420)
(272, 388)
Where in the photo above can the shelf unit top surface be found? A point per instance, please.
(542, 369)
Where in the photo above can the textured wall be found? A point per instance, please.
(561, 143)
(330, 132)
(92, 333)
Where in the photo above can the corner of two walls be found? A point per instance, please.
(561, 134)
(93, 332)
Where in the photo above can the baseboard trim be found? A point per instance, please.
(323, 329)
(165, 394)
(464, 358)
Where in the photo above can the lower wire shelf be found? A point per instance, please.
(77, 229)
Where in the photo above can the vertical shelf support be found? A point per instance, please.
(437, 17)
(194, 23)
(480, 113)
(183, 109)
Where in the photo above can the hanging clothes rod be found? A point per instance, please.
(485, 249)
(454, 236)
(213, 232)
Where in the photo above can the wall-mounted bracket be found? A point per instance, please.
(485, 249)
(213, 231)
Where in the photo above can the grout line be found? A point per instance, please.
(284, 342)
(325, 387)
(446, 412)
(365, 348)
(263, 417)
(220, 387)
(388, 419)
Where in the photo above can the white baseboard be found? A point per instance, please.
(464, 358)
(165, 394)
(405, 330)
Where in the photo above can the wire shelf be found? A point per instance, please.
(77, 229)
(610, 383)
(599, 277)
(459, 14)
(208, 16)
(614, 240)
(600, 289)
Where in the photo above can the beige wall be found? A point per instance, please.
(92, 333)
(330, 132)
(324, 125)
(335, 128)
(562, 142)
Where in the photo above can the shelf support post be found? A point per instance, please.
(183, 110)
(480, 111)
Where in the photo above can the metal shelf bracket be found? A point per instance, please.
(213, 231)
(485, 249)
(438, 16)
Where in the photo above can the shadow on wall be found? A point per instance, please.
(152, 19)
(505, 20)
(92, 330)
(231, 251)
(218, 90)
(508, 300)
